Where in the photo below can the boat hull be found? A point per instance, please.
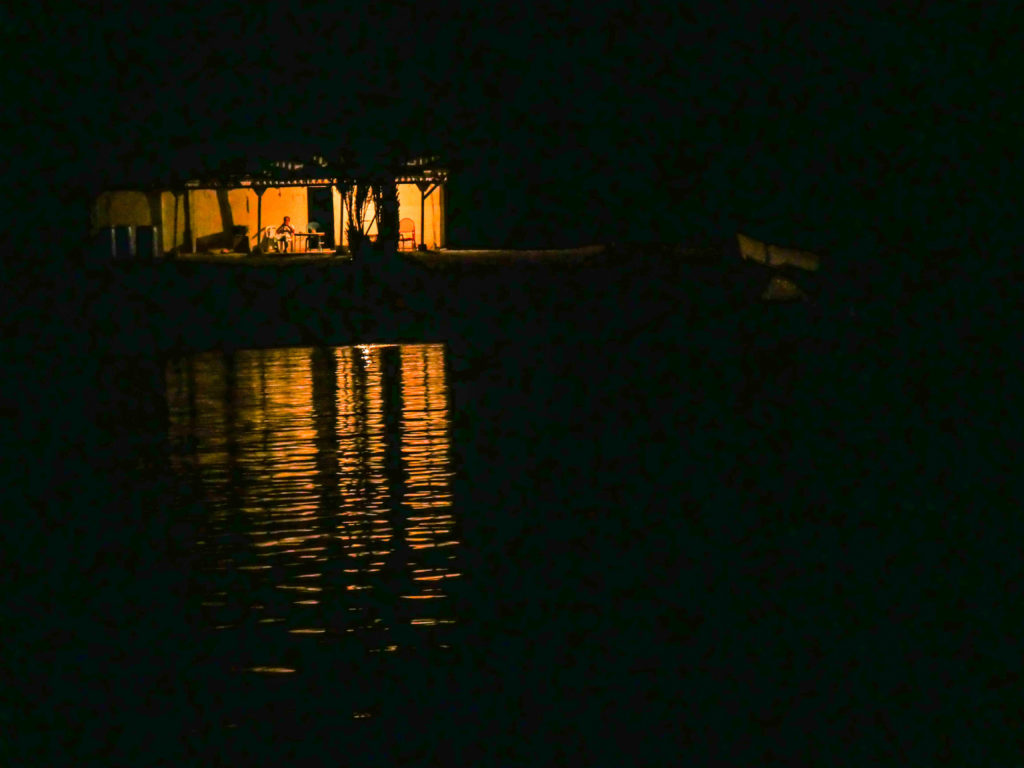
(776, 255)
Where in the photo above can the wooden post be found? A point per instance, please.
(425, 187)
(259, 217)
(156, 218)
(337, 217)
(442, 232)
(188, 235)
(174, 225)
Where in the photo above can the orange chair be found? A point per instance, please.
(407, 233)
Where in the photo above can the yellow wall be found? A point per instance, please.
(339, 230)
(213, 213)
(212, 217)
(208, 219)
(135, 208)
(122, 208)
(172, 208)
(281, 202)
(408, 208)
(372, 229)
(431, 229)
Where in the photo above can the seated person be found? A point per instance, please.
(284, 234)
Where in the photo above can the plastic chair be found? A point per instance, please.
(269, 243)
(314, 242)
(407, 233)
(275, 243)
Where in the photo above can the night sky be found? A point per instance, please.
(562, 125)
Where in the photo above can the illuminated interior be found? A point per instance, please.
(198, 217)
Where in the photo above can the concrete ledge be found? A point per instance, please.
(260, 259)
(505, 255)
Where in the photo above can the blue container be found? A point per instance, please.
(104, 245)
(124, 242)
(147, 243)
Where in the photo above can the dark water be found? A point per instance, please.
(700, 534)
(327, 478)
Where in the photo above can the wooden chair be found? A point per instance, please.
(407, 233)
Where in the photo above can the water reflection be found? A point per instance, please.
(327, 477)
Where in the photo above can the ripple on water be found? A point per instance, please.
(327, 480)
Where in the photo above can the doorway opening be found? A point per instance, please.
(321, 210)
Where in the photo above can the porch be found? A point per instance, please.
(226, 214)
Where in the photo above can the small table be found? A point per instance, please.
(307, 235)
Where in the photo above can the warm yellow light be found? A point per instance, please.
(437, 577)
(278, 542)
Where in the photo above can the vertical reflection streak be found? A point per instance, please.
(429, 524)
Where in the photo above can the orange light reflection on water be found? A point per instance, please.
(296, 450)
